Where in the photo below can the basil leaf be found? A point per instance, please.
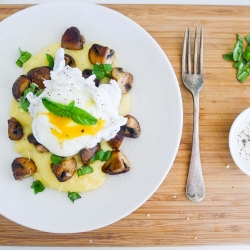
(107, 67)
(24, 57)
(228, 57)
(238, 48)
(55, 159)
(84, 170)
(81, 116)
(37, 186)
(78, 115)
(54, 107)
(248, 39)
(101, 70)
(101, 156)
(50, 60)
(71, 106)
(73, 196)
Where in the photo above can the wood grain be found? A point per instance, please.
(168, 217)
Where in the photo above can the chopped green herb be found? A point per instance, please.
(243, 76)
(228, 57)
(78, 115)
(106, 156)
(50, 59)
(248, 39)
(38, 92)
(19, 63)
(23, 102)
(24, 57)
(55, 159)
(101, 156)
(241, 58)
(84, 170)
(101, 70)
(73, 196)
(246, 53)
(37, 186)
(238, 48)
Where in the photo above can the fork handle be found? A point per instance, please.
(195, 189)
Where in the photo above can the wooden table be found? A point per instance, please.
(168, 217)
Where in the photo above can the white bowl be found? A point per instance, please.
(238, 141)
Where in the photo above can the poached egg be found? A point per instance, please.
(61, 135)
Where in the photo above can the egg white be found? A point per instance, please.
(67, 85)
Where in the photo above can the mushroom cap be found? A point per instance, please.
(87, 73)
(69, 60)
(87, 153)
(19, 86)
(132, 128)
(65, 170)
(99, 54)
(116, 142)
(15, 129)
(72, 39)
(31, 139)
(38, 75)
(123, 79)
(23, 167)
(39, 147)
(117, 163)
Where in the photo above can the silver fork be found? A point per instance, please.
(195, 189)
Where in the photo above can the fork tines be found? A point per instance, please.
(184, 53)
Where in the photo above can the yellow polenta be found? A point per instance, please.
(42, 160)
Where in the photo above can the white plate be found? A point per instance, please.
(241, 130)
(156, 103)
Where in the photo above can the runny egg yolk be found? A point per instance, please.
(65, 129)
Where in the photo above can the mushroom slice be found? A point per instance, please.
(19, 86)
(65, 170)
(72, 39)
(101, 54)
(131, 128)
(87, 153)
(87, 73)
(23, 167)
(116, 142)
(31, 138)
(15, 129)
(38, 75)
(39, 147)
(117, 163)
(69, 60)
(124, 79)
